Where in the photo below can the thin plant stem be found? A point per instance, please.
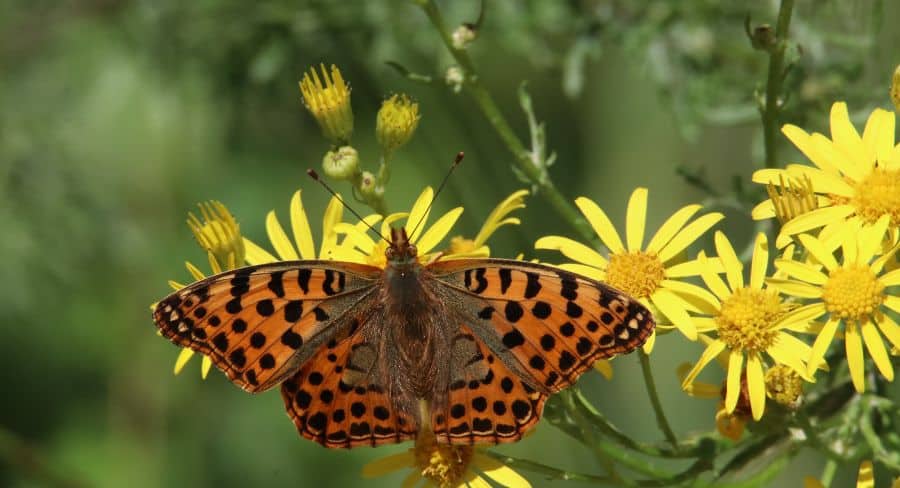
(522, 157)
(771, 112)
(661, 419)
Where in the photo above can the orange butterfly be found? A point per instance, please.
(358, 350)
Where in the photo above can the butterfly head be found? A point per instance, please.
(401, 251)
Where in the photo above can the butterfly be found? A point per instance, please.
(468, 348)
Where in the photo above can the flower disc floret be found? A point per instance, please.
(443, 465)
(852, 292)
(878, 194)
(746, 318)
(784, 385)
(637, 273)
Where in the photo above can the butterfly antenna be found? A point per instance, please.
(458, 159)
(312, 174)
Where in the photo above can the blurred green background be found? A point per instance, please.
(118, 116)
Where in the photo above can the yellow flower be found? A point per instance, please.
(303, 240)
(649, 273)
(446, 466)
(865, 478)
(856, 179)
(359, 247)
(328, 100)
(463, 247)
(218, 233)
(396, 122)
(853, 294)
(749, 320)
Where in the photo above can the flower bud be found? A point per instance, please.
(463, 36)
(895, 88)
(218, 234)
(367, 184)
(341, 164)
(328, 100)
(454, 78)
(397, 121)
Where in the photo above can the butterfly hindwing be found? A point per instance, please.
(486, 401)
(336, 399)
(554, 323)
(259, 323)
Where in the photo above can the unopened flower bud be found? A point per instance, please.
(218, 233)
(463, 36)
(367, 184)
(341, 164)
(396, 122)
(328, 100)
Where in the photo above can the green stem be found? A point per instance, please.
(654, 400)
(536, 175)
(828, 473)
(549, 471)
(771, 111)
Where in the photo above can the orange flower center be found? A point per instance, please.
(746, 317)
(636, 273)
(852, 292)
(878, 194)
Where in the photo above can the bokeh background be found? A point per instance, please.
(118, 116)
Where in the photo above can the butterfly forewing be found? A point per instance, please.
(553, 323)
(259, 324)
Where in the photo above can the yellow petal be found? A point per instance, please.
(791, 352)
(770, 175)
(433, 236)
(173, 285)
(890, 329)
(636, 219)
(823, 340)
(692, 268)
(279, 238)
(496, 218)
(876, 349)
(705, 324)
(756, 385)
(818, 251)
(671, 306)
(254, 254)
(760, 261)
(763, 210)
(601, 224)
(183, 357)
(689, 234)
(194, 271)
(833, 156)
(807, 272)
(734, 269)
(870, 239)
(300, 228)
(855, 361)
(802, 314)
(651, 341)
(389, 221)
(817, 218)
(205, 366)
(844, 134)
(334, 212)
(584, 270)
(823, 182)
(878, 135)
(572, 249)
(807, 146)
(472, 480)
(712, 350)
(418, 216)
(733, 382)
(355, 237)
(604, 367)
(499, 472)
(712, 280)
(705, 301)
(671, 227)
(388, 464)
(866, 477)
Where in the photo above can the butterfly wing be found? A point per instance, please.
(486, 402)
(546, 327)
(260, 323)
(336, 398)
